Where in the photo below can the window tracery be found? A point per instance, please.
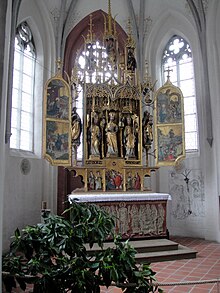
(177, 56)
(22, 118)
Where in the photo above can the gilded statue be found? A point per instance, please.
(130, 139)
(131, 61)
(76, 126)
(95, 137)
(111, 135)
(147, 129)
(110, 49)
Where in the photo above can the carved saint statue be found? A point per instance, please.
(131, 61)
(76, 127)
(110, 49)
(111, 133)
(147, 129)
(95, 137)
(130, 139)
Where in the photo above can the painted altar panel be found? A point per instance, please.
(113, 179)
(57, 143)
(169, 125)
(57, 122)
(170, 143)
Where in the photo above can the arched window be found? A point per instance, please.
(75, 51)
(177, 56)
(22, 115)
(89, 58)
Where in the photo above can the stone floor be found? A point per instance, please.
(206, 266)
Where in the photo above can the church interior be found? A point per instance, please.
(115, 101)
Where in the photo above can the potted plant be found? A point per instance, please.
(53, 256)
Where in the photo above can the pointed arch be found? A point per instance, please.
(172, 23)
(75, 39)
(177, 57)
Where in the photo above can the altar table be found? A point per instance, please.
(137, 215)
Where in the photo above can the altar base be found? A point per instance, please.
(137, 215)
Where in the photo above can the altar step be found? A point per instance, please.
(155, 250)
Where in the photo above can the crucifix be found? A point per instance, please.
(168, 70)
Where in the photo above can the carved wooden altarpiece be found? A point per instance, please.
(116, 127)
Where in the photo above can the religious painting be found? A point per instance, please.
(169, 125)
(94, 180)
(113, 180)
(133, 181)
(169, 107)
(58, 142)
(57, 122)
(170, 144)
(57, 101)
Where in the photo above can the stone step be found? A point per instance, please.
(155, 250)
(142, 245)
(182, 252)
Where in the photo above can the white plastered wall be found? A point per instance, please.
(213, 44)
(165, 25)
(23, 194)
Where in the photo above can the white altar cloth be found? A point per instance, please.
(119, 196)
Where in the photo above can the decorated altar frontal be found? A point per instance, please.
(137, 215)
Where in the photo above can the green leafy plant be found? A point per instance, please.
(53, 256)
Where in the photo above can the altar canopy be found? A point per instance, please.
(115, 131)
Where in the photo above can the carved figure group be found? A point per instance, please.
(116, 138)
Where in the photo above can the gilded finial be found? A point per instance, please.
(130, 41)
(109, 24)
(59, 66)
(168, 70)
(146, 76)
(109, 17)
(90, 36)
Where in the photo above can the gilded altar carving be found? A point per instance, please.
(122, 123)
